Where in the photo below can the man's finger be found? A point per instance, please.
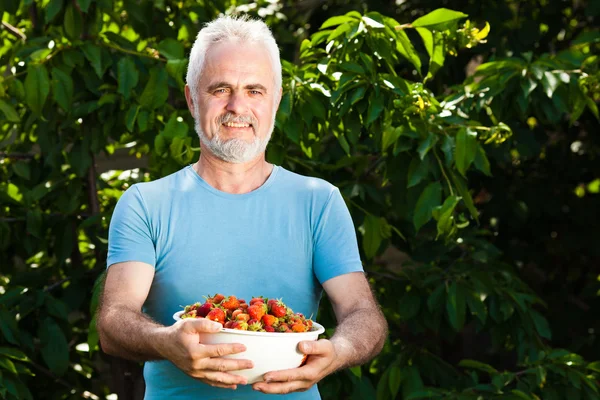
(282, 388)
(220, 350)
(226, 364)
(222, 379)
(201, 325)
(315, 347)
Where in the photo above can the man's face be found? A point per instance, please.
(236, 101)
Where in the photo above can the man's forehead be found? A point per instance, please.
(236, 63)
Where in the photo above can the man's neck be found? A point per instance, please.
(233, 178)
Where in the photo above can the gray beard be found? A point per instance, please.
(235, 151)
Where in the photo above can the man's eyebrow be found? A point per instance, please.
(223, 84)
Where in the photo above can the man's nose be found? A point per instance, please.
(237, 104)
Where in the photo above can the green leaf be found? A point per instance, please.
(171, 49)
(175, 127)
(409, 306)
(427, 36)
(84, 5)
(52, 9)
(444, 224)
(389, 137)
(337, 20)
(476, 306)
(405, 47)
(481, 161)
(395, 380)
(437, 18)
(372, 235)
(37, 87)
(93, 54)
(8, 326)
(176, 70)
(550, 82)
(62, 89)
(22, 169)
(429, 199)
(156, 91)
(436, 298)
(376, 105)
(352, 67)
(13, 353)
(93, 338)
(56, 307)
(34, 223)
(11, 114)
(54, 346)
(127, 75)
(80, 159)
(8, 365)
(466, 149)
(131, 116)
(541, 324)
(472, 364)
(521, 395)
(73, 22)
(463, 191)
(456, 306)
(417, 171)
(412, 381)
(181, 151)
(427, 144)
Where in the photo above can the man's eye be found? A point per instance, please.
(218, 91)
(255, 92)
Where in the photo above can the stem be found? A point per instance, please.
(14, 30)
(437, 157)
(135, 53)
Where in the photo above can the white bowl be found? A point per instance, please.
(269, 351)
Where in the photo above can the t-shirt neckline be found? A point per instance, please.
(237, 196)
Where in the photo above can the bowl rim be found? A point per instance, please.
(317, 328)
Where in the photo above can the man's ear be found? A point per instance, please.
(190, 101)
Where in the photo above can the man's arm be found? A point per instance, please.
(359, 336)
(362, 328)
(125, 331)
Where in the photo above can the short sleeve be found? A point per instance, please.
(130, 234)
(335, 245)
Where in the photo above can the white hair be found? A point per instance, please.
(227, 28)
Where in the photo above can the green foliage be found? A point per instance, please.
(84, 81)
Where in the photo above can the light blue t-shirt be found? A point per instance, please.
(282, 240)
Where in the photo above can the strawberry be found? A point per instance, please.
(189, 314)
(269, 328)
(242, 317)
(204, 309)
(243, 306)
(255, 326)
(257, 310)
(269, 320)
(240, 325)
(216, 299)
(235, 313)
(228, 324)
(283, 327)
(257, 300)
(230, 303)
(278, 309)
(298, 327)
(217, 315)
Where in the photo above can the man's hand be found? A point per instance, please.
(321, 362)
(203, 361)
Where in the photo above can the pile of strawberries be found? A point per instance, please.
(261, 315)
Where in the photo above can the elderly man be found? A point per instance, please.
(234, 224)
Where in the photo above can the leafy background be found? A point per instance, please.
(464, 142)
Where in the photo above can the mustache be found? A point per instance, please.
(237, 119)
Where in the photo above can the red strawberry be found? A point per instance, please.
(257, 310)
(217, 315)
(283, 327)
(278, 309)
(230, 303)
(269, 328)
(189, 314)
(240, 325)
(257, 300)
(204, 309)
(241, 301)
(236, 312)
(255, 326)
(243, 306)
(269, 320)
(228, 324)
(242, 317)
(216, 299)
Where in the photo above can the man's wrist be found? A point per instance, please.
(158, 339)
(344, 350)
